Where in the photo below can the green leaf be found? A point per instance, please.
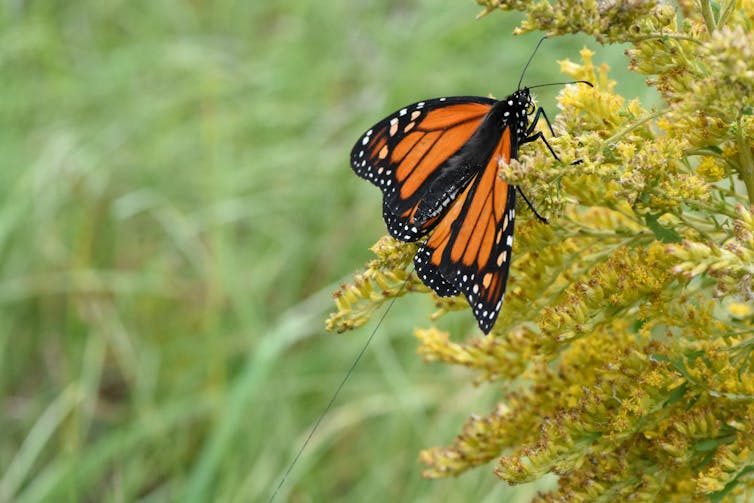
(706, 460)
(676, 394)
(658, 357)
(709, 444)
(664, 234)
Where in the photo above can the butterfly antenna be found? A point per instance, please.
(337, 392)
(530, 58)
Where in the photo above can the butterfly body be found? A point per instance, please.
(436, 162)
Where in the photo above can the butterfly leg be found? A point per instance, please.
(533, 137)
(540, 113)
(531, 206)
(538, 135)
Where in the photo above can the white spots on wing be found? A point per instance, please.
(420, 104)
(365, 140)
(443, 99)
(402, 112)
(509, 241)
(430, 274)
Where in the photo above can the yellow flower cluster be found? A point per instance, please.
(625, 341)
(385, 278)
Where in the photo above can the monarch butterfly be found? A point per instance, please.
(436, 162)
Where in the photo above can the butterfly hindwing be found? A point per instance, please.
(430, 273)
(471, 246)
(407, 153)
(484, 280)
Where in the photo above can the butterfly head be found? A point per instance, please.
(525, 100)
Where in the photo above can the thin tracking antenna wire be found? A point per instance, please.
(337, 391)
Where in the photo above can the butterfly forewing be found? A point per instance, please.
(405, 153)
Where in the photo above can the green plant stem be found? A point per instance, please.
(726, 12)
(664, 36)
(708, 15)
(635, 125)
(746, 167)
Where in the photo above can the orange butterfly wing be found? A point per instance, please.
(436, 163)
(471, 246)
(405, 154)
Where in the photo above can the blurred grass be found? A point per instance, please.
(177, 207)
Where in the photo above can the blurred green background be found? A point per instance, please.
(177, 208)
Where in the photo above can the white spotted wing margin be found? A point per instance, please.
(430, 274)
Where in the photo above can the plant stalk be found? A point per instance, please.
(746, 163)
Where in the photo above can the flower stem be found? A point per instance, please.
(746, 166)
(709, 17)
(617, 136)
